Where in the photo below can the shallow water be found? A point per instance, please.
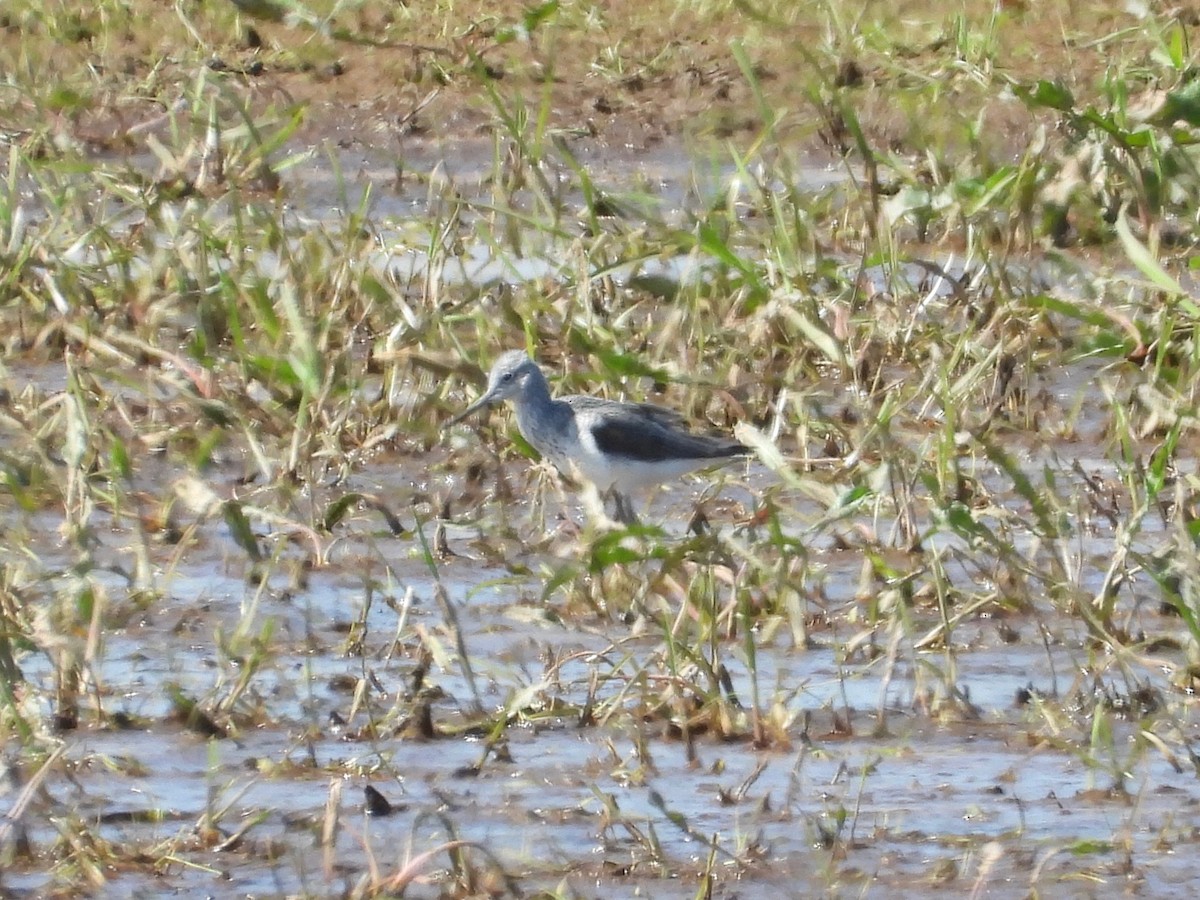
(968, 788)
(944, 763)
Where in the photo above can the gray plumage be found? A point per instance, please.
(617, 447)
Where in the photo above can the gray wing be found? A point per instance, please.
(667, 418)
(648, 433)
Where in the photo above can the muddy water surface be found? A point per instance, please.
(879, 778)
(495, 691)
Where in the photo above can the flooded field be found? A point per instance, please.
(535, 721)
(271, 625)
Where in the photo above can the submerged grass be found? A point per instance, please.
(966, 366)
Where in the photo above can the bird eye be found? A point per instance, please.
(508, 376)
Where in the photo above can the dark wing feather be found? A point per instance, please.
(652, 434)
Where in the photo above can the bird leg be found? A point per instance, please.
(595, 502)
(623, 507)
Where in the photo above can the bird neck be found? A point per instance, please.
(535, 390)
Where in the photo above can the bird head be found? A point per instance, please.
(509, 376)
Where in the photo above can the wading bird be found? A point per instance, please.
(614, 447)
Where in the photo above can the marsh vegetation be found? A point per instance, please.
(268, 628)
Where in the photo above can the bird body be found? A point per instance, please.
(615, 447)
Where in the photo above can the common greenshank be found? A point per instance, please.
(614, 447)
